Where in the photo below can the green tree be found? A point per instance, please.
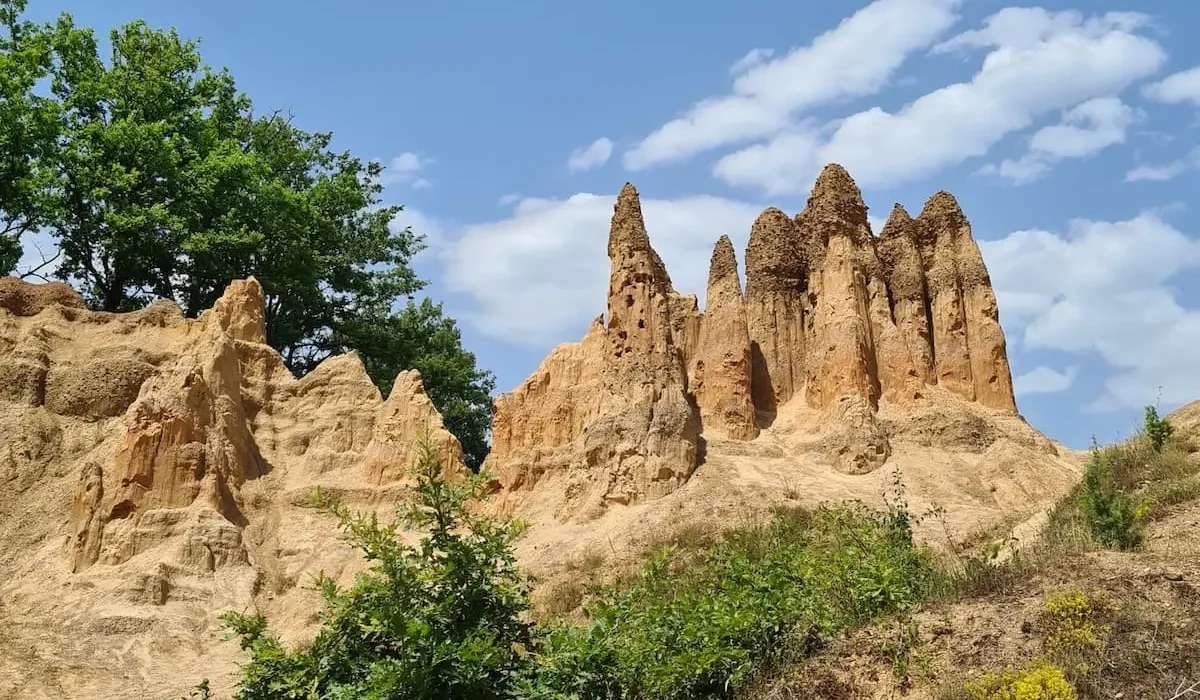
(28, 126)
(164, 183)
(441, 619)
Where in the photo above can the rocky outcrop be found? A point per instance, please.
(833, 319)
(777, 273)
(610, 420)
(195, 410)
(970, 357)
(22, 299)
(721, 379)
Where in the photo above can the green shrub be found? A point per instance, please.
(1114, 519)
(439, 620)
(1158, 430)
(760, 594)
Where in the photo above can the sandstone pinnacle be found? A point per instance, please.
(722, 368)
(836, 196)
(777, 271)
(723, 263)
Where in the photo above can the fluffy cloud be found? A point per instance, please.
(1044, 380)
(592, 156)
(1038, 62)
(1180, 87)
(834, 66)
(1103, 288)
(1084, 130)
(541, 274)
(405, 169)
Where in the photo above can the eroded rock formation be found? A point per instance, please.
(611, 416)
(833, 319)
(192, 410)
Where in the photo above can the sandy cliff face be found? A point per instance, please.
(156, 470)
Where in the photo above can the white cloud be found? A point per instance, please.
(591, 156)
(541, 274)
(507, 200)
(404, 169)
(1039, 62)
(1104, 288)
(836, 65)
(752, 59)
(1159, 173)
(1177, 88)
(1084, 130)
(1044, 380)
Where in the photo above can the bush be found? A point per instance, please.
(760, 594)
(1111, 514)
(1158, 430)
(439, 620)
(1042, 682)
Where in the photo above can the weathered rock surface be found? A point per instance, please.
(833, 317)
(721, 380)
(156, 470)
(777, 270)
(609, 420)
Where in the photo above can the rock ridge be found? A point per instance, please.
(833, 319)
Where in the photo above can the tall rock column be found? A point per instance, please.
(906, 283)
(840, 351)
(644, 376)
(970, 355)
(776, 280)
(721, 378)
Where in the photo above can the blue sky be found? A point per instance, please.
(1068, 131)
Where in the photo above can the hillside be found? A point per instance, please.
(158, 467)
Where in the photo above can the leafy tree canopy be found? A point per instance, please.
(157, 179)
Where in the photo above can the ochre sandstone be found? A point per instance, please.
(834, 319)
(612, 416)
(158, 469)
(721, 379)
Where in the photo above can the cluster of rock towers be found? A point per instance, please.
(830, 312)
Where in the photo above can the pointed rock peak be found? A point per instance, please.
(628, 229)
(724, 261)
(835, 193)
(942, 205)
(407, 385)
(770, 217)
(240, 311)
(898, 224)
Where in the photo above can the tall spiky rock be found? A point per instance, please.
(608, 420)
(970, 356)
(840, 352)
(721, 378)
(905, 279)
(776, 278)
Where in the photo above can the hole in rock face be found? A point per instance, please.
(641, 323)
(122, 510)
(628, 300)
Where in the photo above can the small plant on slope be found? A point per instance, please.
(1114, 519)
(1158, 430)
(438, 620)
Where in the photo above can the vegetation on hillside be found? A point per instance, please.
(746, 615)
(156, 179)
